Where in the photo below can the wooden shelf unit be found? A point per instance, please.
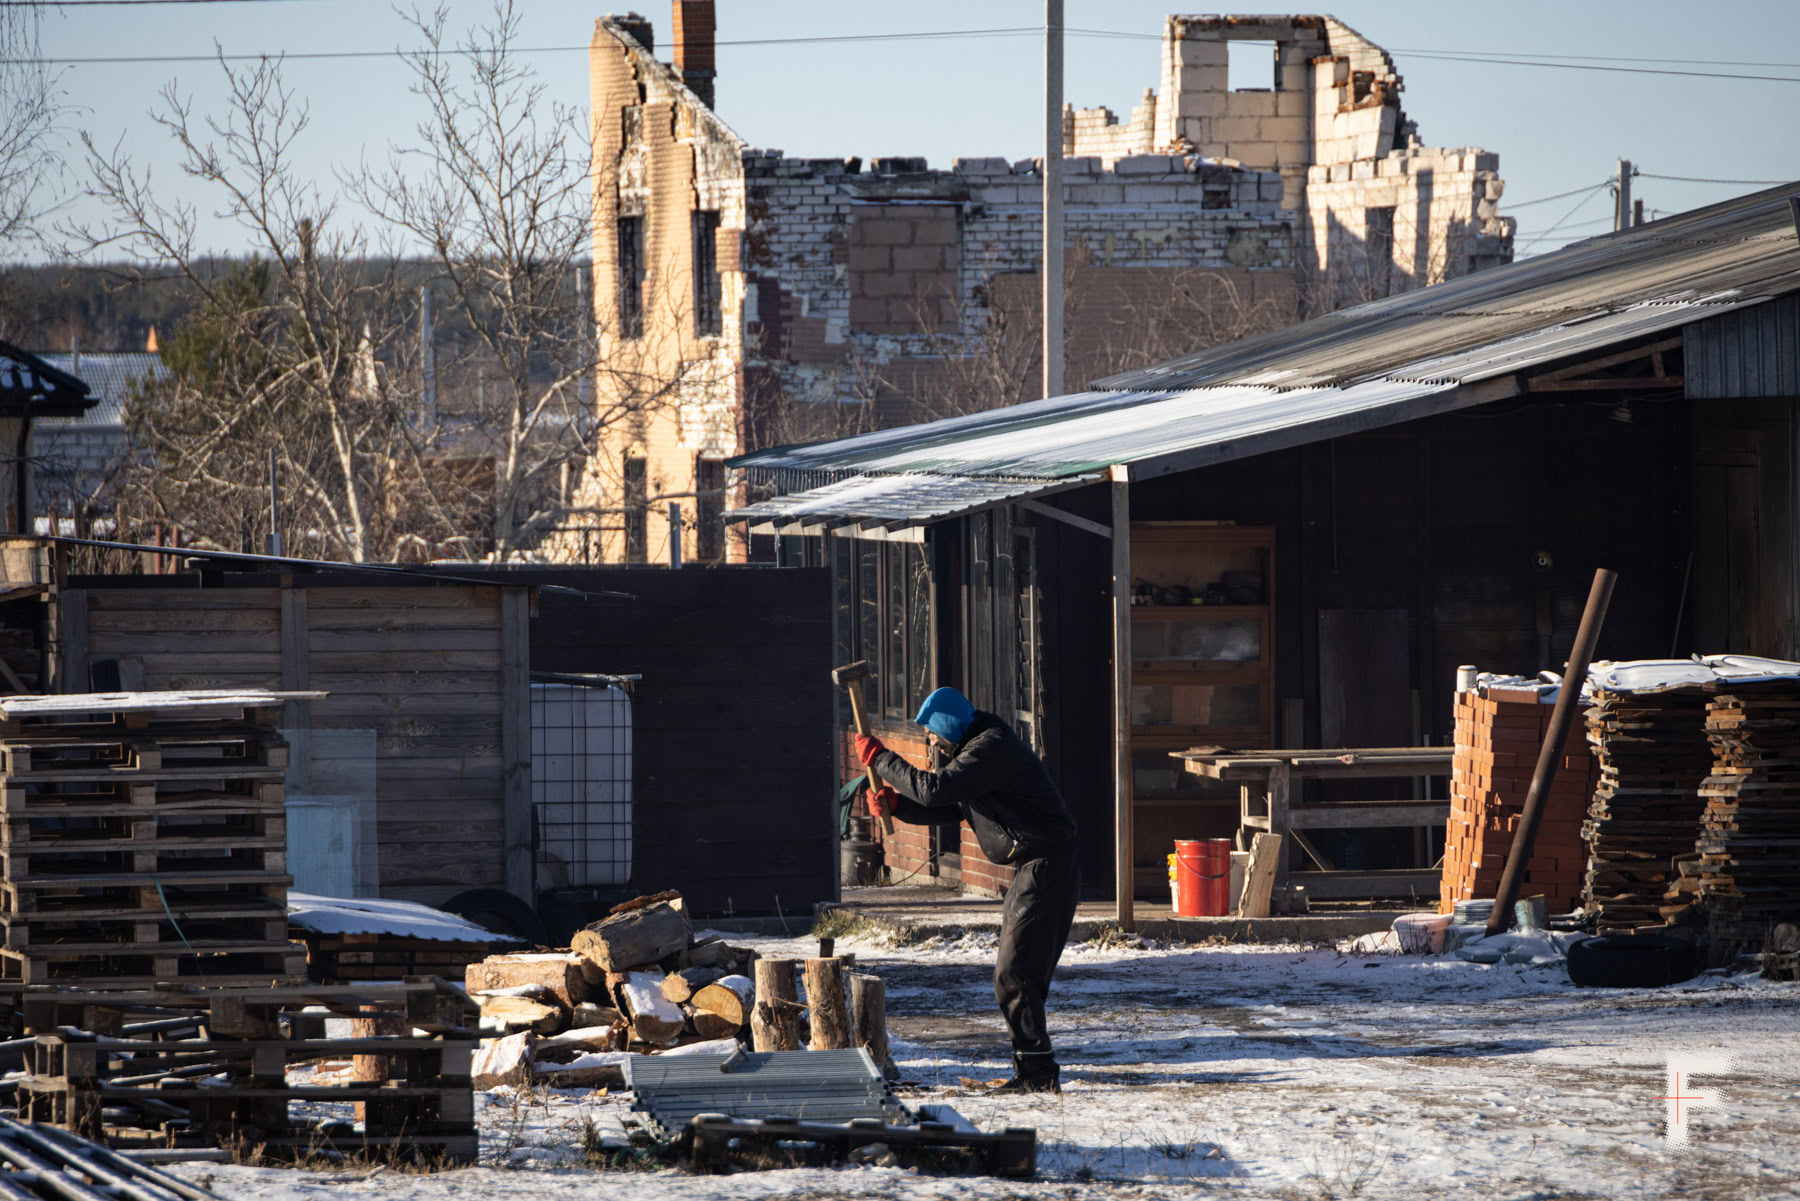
(1200, 674)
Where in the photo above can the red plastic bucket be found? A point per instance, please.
(1202, 877)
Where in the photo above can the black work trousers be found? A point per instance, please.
(1040, 910)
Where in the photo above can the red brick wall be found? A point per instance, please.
(1497, 743)
(907, 851)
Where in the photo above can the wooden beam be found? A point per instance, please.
(515, 744)
(1063, 515)
(1124, 871)
(72, 675)
(1650, 351)
(1605, 385)
(296, 668)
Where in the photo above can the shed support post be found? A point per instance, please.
(1125, 875)
(520, 850)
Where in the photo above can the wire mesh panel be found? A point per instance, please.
(581, 784)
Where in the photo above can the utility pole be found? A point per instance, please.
(1622, 196)
(1637, 211)
(427, 359)
(1053, 197)
(274, 540)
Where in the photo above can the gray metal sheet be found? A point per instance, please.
(819, 1086)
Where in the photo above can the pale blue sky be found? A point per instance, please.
(1555, 130)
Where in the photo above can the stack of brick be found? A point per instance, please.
(1498, 736)
(1645, 814)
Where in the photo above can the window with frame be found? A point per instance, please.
(884, 617)
(631, 277)
(708, 314)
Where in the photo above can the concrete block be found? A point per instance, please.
(1493, 189)
(1025, 166)
(1362, 169)
(1007, 193)
(980, 166)
(883, 231)
(1293, 153)
(940, 231)
(1192, 51)
(1082, 164)
(871, 258)
(1150, 193)
(1246, 103)
(1144, 164)
(1252, 154)
(1486, 160)
(1237, 129)
(1294, 106)
(1095, 193)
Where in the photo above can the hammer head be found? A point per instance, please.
(849, 673)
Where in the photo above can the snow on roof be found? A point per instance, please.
(399, 919)
(1702, 671)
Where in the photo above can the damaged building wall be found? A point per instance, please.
(1380, 212)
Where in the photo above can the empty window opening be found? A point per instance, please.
(637, 508)
(706, 275)
(631, 277)
(1250, 66)
(1379, 244)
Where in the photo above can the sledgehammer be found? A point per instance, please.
(850, 676)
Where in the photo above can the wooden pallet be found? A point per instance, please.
(147, 965)
(112, 712)
(715, 1143)
(51, 758)
(349, 957)
(150, 1092)
(1749, 843)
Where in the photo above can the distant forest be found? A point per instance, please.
(113, 306)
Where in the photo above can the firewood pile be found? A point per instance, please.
(1750, 830)
(1645, 811)
(639, 982)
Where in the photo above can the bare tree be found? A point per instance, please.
(30, 106)
(284, 354)
(496, 187)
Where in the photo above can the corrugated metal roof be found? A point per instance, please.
(1751, 352)
(109, 376)
(880, 501)
(1376, 364)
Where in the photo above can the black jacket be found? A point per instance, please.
(996, 782)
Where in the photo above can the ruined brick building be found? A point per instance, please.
(757, 299)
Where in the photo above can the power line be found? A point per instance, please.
(1546, 199)
(1600, 58)
(1435, 56)
(1591, 193)
(1764, 183)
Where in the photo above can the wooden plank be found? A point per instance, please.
(72, 671)
(328, 663)
(164, 600)
(1359, 815)
(454, 597)
(515, 742)
(213, 620)
(410, 642)
(1259, 876)
(296, 673)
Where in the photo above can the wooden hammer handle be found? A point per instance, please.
(862, 727)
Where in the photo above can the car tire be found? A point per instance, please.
(499, 911)
(1632, 961)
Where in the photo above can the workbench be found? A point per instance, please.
(1266, 781)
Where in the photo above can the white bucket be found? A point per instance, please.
(1421, 933)
(1240, 863)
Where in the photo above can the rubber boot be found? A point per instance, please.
(1033, 1072)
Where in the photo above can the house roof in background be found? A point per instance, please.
(31, 386)
(1375, 364)
(109, 376)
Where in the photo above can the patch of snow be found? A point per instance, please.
(398, 919)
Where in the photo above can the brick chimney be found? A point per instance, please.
(694, 26)
(637, 28)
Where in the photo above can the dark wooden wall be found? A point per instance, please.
(1484, 527)
(437, 671)
(735, 795)
(1746, 596)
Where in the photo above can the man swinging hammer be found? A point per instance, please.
(986, 774)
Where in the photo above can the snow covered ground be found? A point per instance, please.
(1250, 1071)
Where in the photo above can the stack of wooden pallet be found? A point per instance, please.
(1750, 831)
(346, 958)
(145, 840)
(1645, 813)
(255, 1078)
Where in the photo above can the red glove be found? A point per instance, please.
(867, 748)
(881, 801)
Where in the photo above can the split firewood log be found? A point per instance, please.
(589, 1013)
(503, 1061)
(654, 1018)
(728, 997)
(564, 1047)
(509, 1014)
(557, 971)
(636, 937)
(681, 986)
(711, 1025)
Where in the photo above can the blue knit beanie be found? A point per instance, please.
(946, 713)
